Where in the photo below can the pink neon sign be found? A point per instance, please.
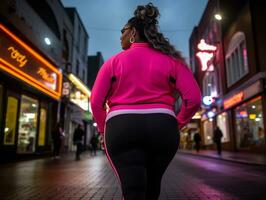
(205, 54)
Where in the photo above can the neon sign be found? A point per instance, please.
(20, 60)
(233, 100)
(205, 54)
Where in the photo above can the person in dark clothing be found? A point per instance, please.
(77, 140)
(217, 136)
(57, 135)
(197, 140)
(94, 144)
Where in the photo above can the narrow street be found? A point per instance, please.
(188, 177)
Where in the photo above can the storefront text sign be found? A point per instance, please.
(20, 60)
(205, 54)
(233, 100)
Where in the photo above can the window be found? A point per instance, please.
(77, 68)
(27, 125)
(210, 84)
(249, 124)
(208, 132)
(84, 76)
(11, 121)
(223, 123)
(236, 59)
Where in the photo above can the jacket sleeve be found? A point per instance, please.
(190, 94)
(99, 94)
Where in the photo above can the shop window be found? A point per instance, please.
(208, 132)
(42, 128)
(249, 124)
(222, 122)
(27, 125)
(236, 59)
(11, 121)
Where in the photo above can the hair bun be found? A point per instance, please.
(148, 13)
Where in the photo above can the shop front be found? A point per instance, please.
(75, 110)
(30, 87)
(246, 107)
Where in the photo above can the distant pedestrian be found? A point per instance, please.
(197, 140)
(78, 140)
(94, 144)
(138, 85)
(217, 136)
(57, 136)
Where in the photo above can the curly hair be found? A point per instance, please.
(146, 23)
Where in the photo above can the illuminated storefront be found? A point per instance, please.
(249, 124)
(30, 87)
(246, 108)
(75, 107)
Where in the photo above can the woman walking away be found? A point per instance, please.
(141, 130)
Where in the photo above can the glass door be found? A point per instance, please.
(27, 131)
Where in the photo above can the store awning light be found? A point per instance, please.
(78, 83)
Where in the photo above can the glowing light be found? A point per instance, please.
(243, 113)
(79, 84)
(196, 116)
(207, 100)
(252, 116)
(233, 100)
(203, 46)
(218, 17)
(253, 106)
(94, 124)
(211, 114)
(205, 54)
(47, 41)
(257, 119)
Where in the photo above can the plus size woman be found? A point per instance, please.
(133, 100)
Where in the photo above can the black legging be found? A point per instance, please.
(140, 147)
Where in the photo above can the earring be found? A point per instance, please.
(132, 39)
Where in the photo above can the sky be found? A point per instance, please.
(103, 20)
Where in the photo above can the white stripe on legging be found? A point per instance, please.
(139, 111)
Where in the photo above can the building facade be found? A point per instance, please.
(75, 101)
(43, 51)
(30, 75)
(228, 56)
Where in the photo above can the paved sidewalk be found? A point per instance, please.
(253, 159)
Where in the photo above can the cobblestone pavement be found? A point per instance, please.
(187, 178)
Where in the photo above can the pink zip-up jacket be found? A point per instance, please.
(143, 78)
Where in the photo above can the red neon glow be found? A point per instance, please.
(204, 57)
(203, 46)
(243, 113)
(205, 54)
(233, 100)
